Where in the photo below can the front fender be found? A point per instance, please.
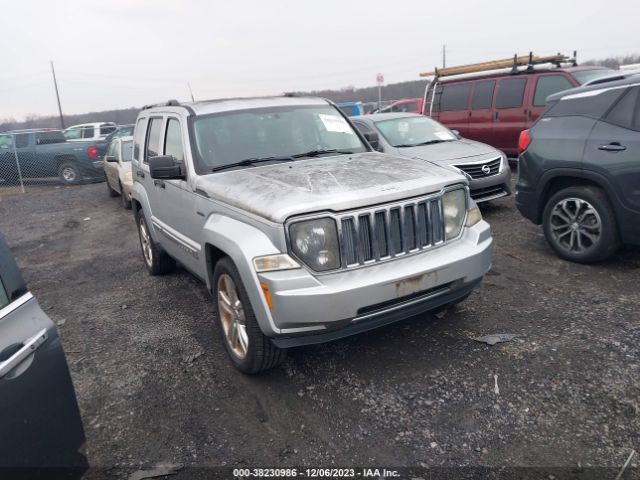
(242, 243)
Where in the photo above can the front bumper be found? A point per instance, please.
(306, 305)
(490, 188)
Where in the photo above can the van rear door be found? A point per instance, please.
(509, 114)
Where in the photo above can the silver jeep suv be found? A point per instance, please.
(302, 232)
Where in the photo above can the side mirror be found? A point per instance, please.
(165, 167)
(457, 134)
(372, 138)
(110, 158)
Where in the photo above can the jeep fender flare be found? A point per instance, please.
(140, 201)
(242, 243)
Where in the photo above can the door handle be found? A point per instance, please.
(495, 117)
(158, 183)
(612, 147)
(139, 174)
(28, 347)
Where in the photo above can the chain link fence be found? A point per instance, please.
(35, 158)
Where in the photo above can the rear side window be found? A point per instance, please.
(153, 138)
(45, 138)
(589, 106)
(106, 130)
(173, 140)
(4, 298)
(455, 97)
(626, 112)
(548, 85)
(511, 92)
(22, 140)
(483, 95)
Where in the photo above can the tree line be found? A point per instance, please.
(394, 91)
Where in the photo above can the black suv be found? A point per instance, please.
(579, 169)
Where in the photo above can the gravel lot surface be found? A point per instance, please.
(154, 384)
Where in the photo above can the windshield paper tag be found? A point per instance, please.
(334, 123)
(443, 135)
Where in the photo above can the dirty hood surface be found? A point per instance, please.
(335, 183)
(451, 153)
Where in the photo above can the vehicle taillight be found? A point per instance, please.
(92, 151)
(524, 141)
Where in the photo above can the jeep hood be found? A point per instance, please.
(451, 153)
(335, 183)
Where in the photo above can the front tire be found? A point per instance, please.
(157, 261)
(249, 349)
(580, 225)
(69, 173)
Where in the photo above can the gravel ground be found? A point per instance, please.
(154, 384)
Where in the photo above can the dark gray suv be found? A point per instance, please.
(579, 169)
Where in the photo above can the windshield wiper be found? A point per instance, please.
(247, 162)
(315, 153)
(428, 142)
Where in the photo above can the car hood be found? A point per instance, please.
(451, 152)
(335, 183)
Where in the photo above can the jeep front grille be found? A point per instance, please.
(390, 231)
(481, 170)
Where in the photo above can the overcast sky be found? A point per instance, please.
(122, 53)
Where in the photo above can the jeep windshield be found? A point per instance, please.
(244, 138)
(414, 131)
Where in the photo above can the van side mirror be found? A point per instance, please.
(166, 167)
(372, 138)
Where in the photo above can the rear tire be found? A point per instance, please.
(157, 261)
(580, 225)
(112, 192)
(69, 173)
(126, 201)
(248, 348)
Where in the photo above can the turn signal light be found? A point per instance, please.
(524, 141)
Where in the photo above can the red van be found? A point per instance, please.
(495, 108)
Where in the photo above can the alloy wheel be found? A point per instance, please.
(575, 224)
(145, 241)
(232, 317)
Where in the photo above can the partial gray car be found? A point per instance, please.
(416, 136)
(302, 233)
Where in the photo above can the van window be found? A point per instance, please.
(454, 97)
(483, 95)
(626, 113)
(548, 85)
(153, 138)
(511, 92)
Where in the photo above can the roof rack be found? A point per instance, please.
(168, 103)
(515, 63)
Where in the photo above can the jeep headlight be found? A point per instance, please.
(454, 206)
(315, 242)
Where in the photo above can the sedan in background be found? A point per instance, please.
(117, 169)
(417, 136)
(41, 432)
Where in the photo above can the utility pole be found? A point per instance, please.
(444, 56)
(191, 92)
(55, 84)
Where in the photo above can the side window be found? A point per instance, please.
(138, 135)
(6, 141)
(455, 97)
(22, 140)
(153, 138)
(87, 132)
(362, 127)
(73, 134)
(548, 85)
(626, 112)
(173, 140)
(4, 298)
(106, 130)
(511, 92)
(112, 149)
(483, 95)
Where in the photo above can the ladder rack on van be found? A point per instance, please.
(515, 64)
